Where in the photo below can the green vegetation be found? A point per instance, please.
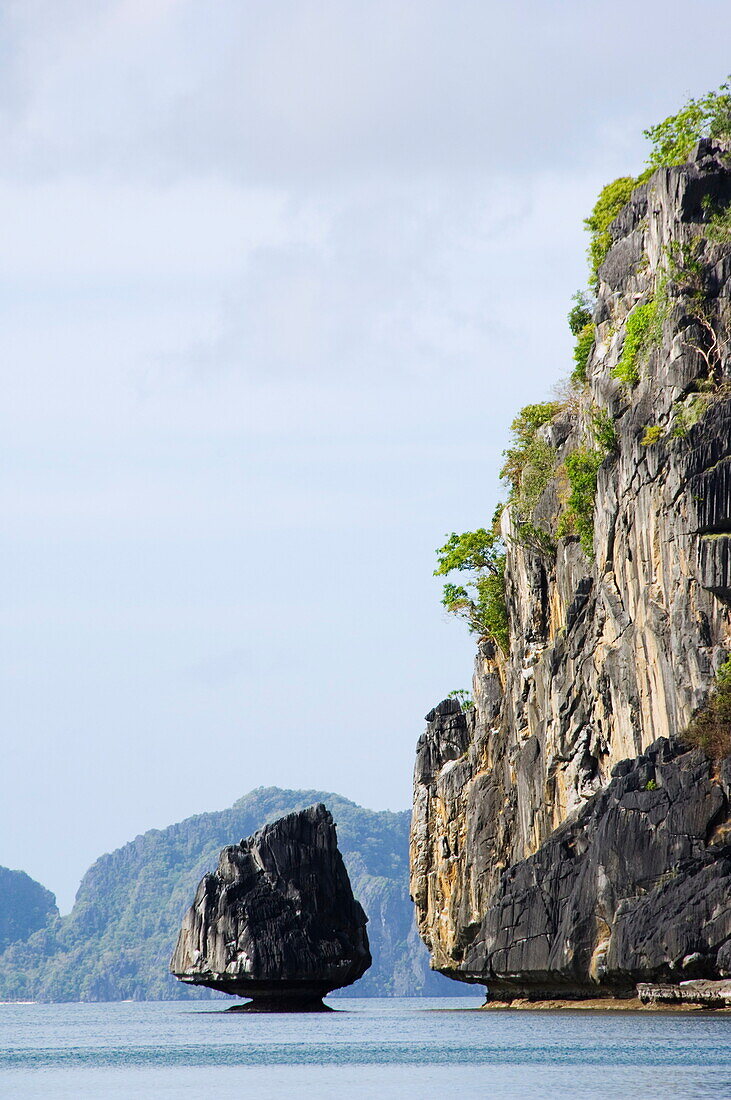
(582, 350)
(464, 699)
(640, 328)
(718, 227)
(671, 143)
(540, 461)
(687, 413)
(603, 430)
(526, 447)
(686, 269)
(611, 200)
(530, 462)
(117, 941)
(25, 906)
(710, 729)
(580, 313)
(529, 465)
(653, 433)
(481, 600)
(673, 138)
(581, 471)
(534, 538)
(650, 785)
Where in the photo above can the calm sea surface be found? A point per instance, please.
(367, 1048)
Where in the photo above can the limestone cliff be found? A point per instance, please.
(531, 866)
(277, 920)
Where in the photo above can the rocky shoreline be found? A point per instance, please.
(690, 996)
(599, 1004)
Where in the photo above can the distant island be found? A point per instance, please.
(117, 941)
(25, 906)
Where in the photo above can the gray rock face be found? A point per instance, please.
(639, 883)
(606, 657)
(277, 921)
(702, 993)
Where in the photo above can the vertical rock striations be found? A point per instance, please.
(562, 838)
(277, 921)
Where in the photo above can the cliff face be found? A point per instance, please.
(277, 920)
(519, 829)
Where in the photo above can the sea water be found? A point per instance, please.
(377, 1048)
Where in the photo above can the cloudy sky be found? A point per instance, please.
(274, 279)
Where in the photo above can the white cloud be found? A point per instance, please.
(274, 279)
(293, 92)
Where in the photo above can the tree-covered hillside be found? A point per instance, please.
(117, 941)
(25, 906)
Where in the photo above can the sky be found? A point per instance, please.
(274, 280)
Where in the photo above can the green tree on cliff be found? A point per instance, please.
(480, 601)
(674, 137)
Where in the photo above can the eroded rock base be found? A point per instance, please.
(282, 1004)
(703, 994)
(600, 1004)
(687, 996)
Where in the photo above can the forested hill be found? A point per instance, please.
(25, 906)
(117, 941)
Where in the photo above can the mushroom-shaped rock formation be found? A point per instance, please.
(277, 920)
